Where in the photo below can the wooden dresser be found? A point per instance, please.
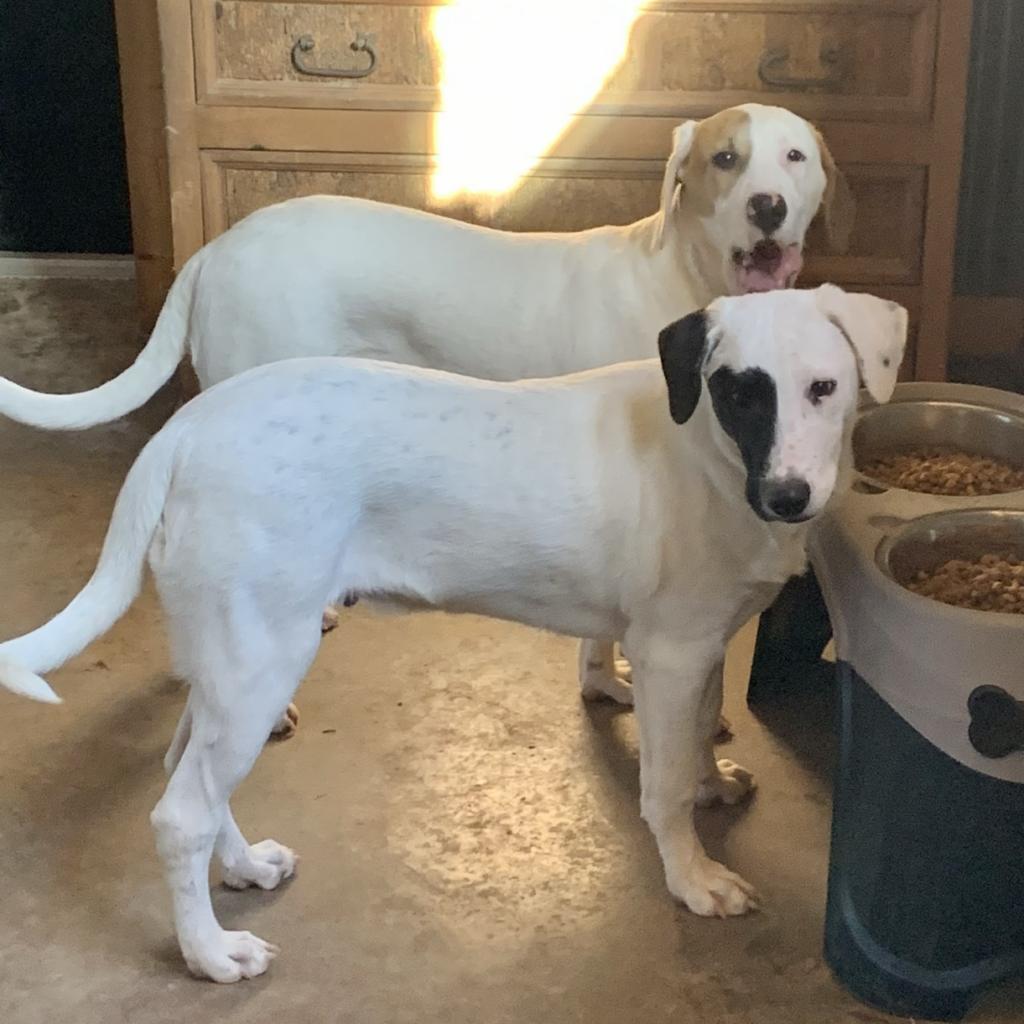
(220, 120)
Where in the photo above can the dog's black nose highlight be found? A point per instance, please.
(787, 499)
(766, 211)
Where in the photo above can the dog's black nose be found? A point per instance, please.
(787, 499)
(766, 211)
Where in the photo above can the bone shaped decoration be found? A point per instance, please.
(997, 722)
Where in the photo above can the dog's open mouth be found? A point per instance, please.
(767, 266)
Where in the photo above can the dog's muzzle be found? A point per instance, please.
(785, 500)
(766, 267)
(767, 212)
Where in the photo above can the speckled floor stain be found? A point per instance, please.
(472, 850)
(485, 792)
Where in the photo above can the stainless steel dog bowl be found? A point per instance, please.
(929, 541)
(969, 427)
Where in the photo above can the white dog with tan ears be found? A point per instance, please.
(662, 504)
(329, 275)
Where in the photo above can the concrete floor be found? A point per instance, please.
(472, 848)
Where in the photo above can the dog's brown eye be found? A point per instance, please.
(821, 389)
(724, 159)
(795, 156)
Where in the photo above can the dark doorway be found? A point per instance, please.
(62, 172)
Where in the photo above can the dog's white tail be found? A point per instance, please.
(114, 584)
(127, 391)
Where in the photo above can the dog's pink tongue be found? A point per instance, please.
(771, 267)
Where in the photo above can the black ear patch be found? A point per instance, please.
(681, 346)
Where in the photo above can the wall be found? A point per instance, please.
(62, 177)
(990, 243)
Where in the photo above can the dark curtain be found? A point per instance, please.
(990, 243)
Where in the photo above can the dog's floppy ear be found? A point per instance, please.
(876, 330)
(682, 346)
(837, 204)
(682, 141)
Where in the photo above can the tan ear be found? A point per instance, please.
(837, 204)
(876, 330)
(682, 141)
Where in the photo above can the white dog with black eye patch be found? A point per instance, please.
(329, 275)
(594, 505)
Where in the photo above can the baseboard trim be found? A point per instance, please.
(986, 325)
(67, 265)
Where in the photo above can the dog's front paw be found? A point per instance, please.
(329, 620)
(710, 889)
(284, 728)
(266, 865)
(230, 956)
(729, 785)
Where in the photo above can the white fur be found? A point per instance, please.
(341, 276)
(801, 184)
(575, 504)
(808, 437)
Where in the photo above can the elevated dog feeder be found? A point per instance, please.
(926, 881)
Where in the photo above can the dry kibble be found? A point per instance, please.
(991, 583)
(945, 471)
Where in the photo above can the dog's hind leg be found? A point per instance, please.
(286, 726)
(180, 739)
(265, 864)
(187, 821)
(722, 781)
(229, 717)
(597, 675)
(673, 717)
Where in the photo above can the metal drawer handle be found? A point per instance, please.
(772, 66)
(361, 44)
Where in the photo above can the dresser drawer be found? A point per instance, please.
(867, 60)
(564, 195)
(849, 59)
(888, 229)
(247, 52)
(558, 195)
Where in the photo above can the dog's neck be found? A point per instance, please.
(679, 251)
